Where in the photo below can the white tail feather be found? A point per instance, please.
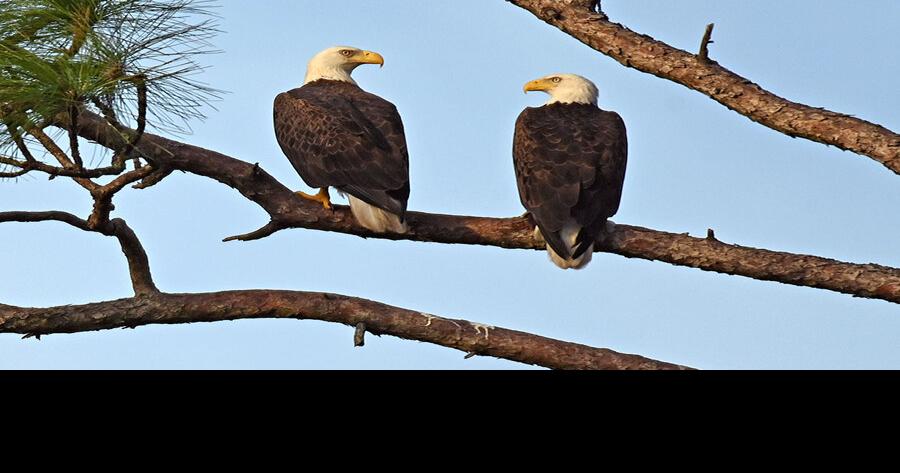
(375, 219)
(569, 235)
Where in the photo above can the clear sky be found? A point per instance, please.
(455, 71)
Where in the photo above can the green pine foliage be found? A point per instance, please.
(56, 54)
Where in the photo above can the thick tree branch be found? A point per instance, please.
(138, 264)
(720, 84)
(289, 211)
(378, 319)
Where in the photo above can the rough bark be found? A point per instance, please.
(289, 211)
(471, 338)
(648, 55)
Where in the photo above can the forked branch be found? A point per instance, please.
(138, 264)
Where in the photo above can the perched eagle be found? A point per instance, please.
(337, 135)
(570, 161)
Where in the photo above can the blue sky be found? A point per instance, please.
(455, 71)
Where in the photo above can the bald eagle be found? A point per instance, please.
(570, 159)
(337, 135)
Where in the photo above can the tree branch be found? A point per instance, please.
(378, 318)
(13, 174)
(648, 55)
(289, 211)
(60, 156)
(138, 264)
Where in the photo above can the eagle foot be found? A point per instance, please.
(322, 197)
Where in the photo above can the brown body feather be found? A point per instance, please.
(570, 166)
(338, 135)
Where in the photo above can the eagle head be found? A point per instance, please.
(336, 63)
(565, 88)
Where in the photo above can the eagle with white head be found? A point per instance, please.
(337, 135)
(570, 158)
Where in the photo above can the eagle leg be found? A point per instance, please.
(322, 197)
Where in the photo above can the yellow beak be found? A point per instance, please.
(538, 85)
(369, 57)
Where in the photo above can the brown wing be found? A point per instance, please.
(335, 134)
(570, 164)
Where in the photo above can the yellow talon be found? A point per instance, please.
(322, 197)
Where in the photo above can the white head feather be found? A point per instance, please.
(565, 88)
(338, 62)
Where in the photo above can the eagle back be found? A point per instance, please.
(570, 163)
(336, 134)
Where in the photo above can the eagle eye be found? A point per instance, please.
(347, 52)
(556, 80)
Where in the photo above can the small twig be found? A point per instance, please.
(268, 229)
(359, 336)
(108, 113)
(60, 156)
(73, 137)
(154, 178)
(14, 174)
(469, 355)
(140, 83)
(704, 43)
(23, 148)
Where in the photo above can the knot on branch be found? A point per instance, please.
(551, 13)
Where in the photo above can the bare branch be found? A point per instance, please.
(31, 164)
(13, 174)
(720, 84)
(23, 147)
(378, 318)
(287, 211)
(155, 177)
(141, 85)
(268, 229)
(60, 156)
(138, 264)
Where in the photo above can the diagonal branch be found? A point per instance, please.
(60, 156)
(378, 318)
(138, 263)
(289, 211)
(648, 55)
